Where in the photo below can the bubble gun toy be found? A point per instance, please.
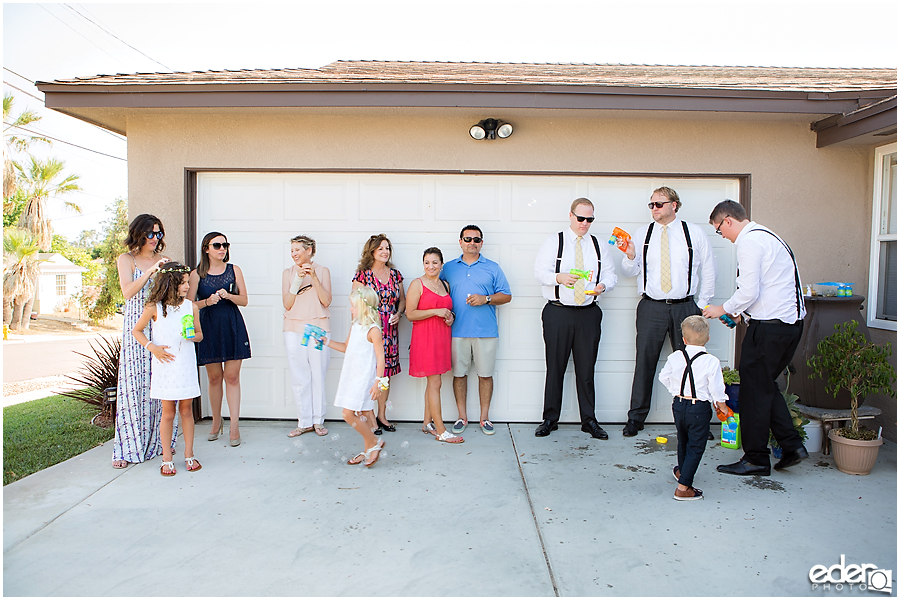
(726, 319)
(187, 327)
(727, 416)
(315, 334)
(581, 273)
(619, 238)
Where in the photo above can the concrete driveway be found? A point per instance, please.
(508, 515)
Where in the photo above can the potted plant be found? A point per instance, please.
(848, 362)
(732, 386)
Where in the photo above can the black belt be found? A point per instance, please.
(777, 322)
(669, 300)
(557, 303)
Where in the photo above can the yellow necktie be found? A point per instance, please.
(579, 264)
(665, 268)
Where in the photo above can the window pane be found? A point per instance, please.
(886, 307)
(60, 285)
(889, 194)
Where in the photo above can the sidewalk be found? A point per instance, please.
(508, 515)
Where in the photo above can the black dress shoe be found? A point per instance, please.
(710, 437)
(384, 426)
(544, 429)
(631, 428)
(789, 459)
(378, 431)
(593, 427)
(744, 467)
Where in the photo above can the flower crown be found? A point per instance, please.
(366, 302)
(178, 269)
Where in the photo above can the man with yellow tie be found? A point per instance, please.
(574, 269)
(676, 278)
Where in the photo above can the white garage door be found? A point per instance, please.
(261, 212)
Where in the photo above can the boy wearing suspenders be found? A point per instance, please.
(694, 378)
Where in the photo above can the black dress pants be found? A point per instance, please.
(576, 331)
(767, 349)
(654, 320)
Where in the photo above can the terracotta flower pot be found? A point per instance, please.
(855, 457)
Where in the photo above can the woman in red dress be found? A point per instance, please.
(428, 307)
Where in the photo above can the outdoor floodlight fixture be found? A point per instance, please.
(490, 129)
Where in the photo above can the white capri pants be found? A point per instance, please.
(308, 367)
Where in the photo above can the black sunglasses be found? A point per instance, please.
(220, 245)
(582, 219)
(155, 234)
(657, 204)
(475, 239)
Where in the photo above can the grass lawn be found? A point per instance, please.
(42, 433)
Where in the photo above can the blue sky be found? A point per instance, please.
(45, 41)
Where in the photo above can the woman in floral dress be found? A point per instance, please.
(376, 271)
(137, 415)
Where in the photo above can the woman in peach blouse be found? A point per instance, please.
(306, 295)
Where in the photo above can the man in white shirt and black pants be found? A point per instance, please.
(675, 262)
(571, 318)
(769, 293)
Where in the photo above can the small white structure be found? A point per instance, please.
(60, 280)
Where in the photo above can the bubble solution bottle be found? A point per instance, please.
(187, 327)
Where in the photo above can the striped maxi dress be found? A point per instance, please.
(137, 415)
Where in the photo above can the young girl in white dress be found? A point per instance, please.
(362, 376)
(173, 378)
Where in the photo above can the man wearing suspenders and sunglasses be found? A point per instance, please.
(770, 295)
(674, 267)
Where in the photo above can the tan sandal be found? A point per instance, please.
(300, 431)
(357, 459)
(320, 429)
(167, 465)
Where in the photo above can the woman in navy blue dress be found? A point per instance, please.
(218, 289)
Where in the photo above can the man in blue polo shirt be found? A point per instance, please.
(477, 287)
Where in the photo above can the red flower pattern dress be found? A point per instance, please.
(388, 304)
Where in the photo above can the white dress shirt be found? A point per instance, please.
(703, 276)
(766, 286)
(707, 375)
(545, 266)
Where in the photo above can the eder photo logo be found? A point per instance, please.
(863, 577)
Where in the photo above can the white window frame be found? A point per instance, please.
(61, 284)
(877, 238)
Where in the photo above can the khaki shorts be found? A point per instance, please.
(483, 350)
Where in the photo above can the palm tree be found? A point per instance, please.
(14, 143)
(39, 184)
(20, 251)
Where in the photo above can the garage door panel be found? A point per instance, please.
(541, 202)
(325, 200)
(233, 197)
(468, 202)
(395, 200)
(417, 211)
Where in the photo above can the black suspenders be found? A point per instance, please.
(689, 372)
(797, 287)
(559, 252)
(687, 238)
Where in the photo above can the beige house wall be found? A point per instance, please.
(819, 200)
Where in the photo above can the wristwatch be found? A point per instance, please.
(487, 299)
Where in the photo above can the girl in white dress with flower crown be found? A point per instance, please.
(362, 376)
(173, 378)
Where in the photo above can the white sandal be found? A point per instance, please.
(448, 437)
(167, 465)
(376, 448)
(190, 461)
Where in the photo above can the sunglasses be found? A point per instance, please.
(155, 234)
(475, 239)
(657, 204)
(582, 219)
(220, 245)
(719, 228)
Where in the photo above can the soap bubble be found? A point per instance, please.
(388, 405)
(404, 444)
(335, 436)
